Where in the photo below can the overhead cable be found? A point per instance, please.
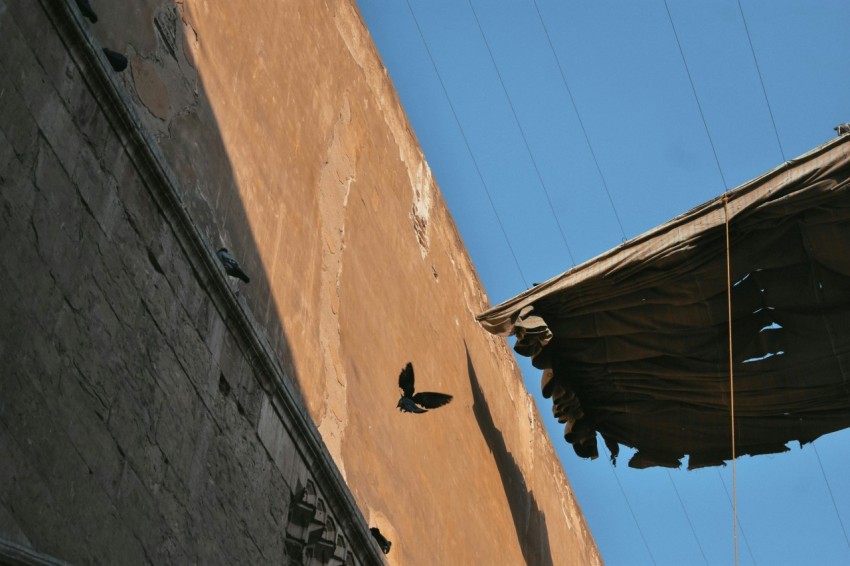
(629, 505)
(687, 516)
(831, 496)
(522, 133)
(468, 147)
(761, 81)
(578, 117)
(696, 98)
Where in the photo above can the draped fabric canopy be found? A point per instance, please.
(634, 344)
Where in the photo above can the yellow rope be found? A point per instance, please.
(731, 379)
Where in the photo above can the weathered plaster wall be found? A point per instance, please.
(291, 148)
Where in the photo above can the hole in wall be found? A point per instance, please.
(223, 386)
(155, 263)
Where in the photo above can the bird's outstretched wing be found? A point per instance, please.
(405, 380)
(431, 400)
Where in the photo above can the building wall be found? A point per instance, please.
(142, 416)
(152, 402)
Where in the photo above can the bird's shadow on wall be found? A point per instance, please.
(529, 520)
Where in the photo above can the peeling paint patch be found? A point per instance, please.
(418, 172)
(150, 88)
(421, 210)
(335, 182)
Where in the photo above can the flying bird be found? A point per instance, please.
(410, 403)
(231, 266)
(117, 60)
(85, 10)
(842, 129)
(381, 539)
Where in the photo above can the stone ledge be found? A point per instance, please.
(12, 554)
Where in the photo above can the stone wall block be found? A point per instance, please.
(18, 235)
(191, 352)
(41, 37)
(236, 469)
(7, 153)
(16, 231)
(177, 436)
(57, 126)
(109, 540)
(27, 496)
(86, 111)
(177, 548)
(132, 425)
(21, 67)
(84, 415)
(57, 214)
(277, 442)
(193, 298)
(16, 121)
(122, 295)
(95, 185)
(138, 511)
(244, 383)
(67, 484)
(249, 395)
(214, 331)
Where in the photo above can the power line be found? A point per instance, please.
(761, 81)
(831, 496)
(629, 505)
(694, 90)
(522, 132)
(688, 517)
(578, 116)
(468, 147)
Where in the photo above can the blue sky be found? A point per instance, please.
(496, 122)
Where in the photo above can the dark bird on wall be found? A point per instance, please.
(381, 539)
(118, 61)
(414, 403)
(85, 10)
(842, 129)
(231, 266)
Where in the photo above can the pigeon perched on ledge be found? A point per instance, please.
(419, 402)
(117, 60)
(381, 540)
(86, 10)
(231, 266)
(842, 129)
